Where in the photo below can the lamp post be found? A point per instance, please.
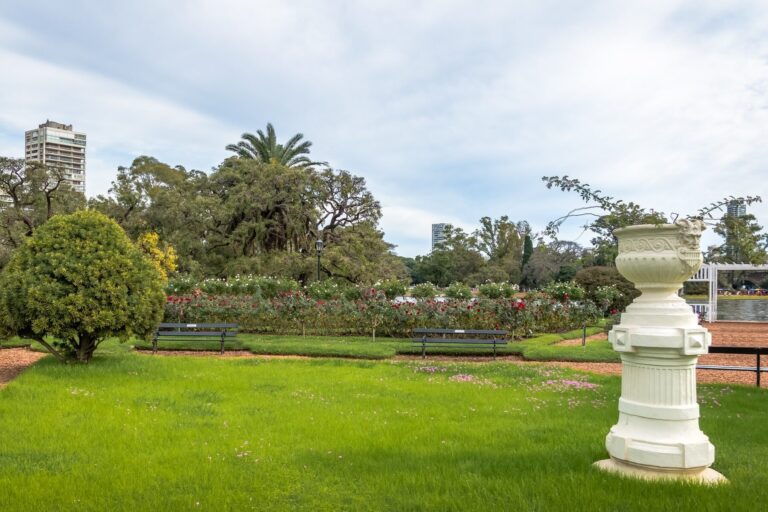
(319, 247)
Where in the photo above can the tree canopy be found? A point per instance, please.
(79, 280)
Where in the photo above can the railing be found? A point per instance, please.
(756, 351)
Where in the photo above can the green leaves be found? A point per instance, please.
(79, 279)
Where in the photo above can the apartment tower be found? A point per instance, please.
(57, 145)
(438, 234)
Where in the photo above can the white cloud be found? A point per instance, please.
(457, 105)
(121, 123)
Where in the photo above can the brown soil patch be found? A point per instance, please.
(13, 361)
(229, 354)
(577, 341)
(723, 334)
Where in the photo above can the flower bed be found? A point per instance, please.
(293, 312)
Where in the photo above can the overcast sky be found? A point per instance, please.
(451, 110)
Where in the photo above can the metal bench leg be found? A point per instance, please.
(222, 343)
(494, 350)
(424, 347)
(154, 345)
(758, 369)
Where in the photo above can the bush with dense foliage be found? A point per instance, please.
(263, 286)
(497, 290)
(77, 281)
(458, 291)
(592, 278)
(392, 288)
(424, 291)
(564, 291)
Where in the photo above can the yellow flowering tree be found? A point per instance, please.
(162, 255)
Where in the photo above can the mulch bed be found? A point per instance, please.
(13, 361)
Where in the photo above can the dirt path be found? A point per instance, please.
(13, 361)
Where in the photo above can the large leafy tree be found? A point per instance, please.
(743, 241)
(151, 196)
(501, 242)
(32, 194)
(79, 280)
(249, 216)
(264, 148)
(454, 259)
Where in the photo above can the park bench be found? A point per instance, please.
(757, 351)
(462, 338)
(196, 332)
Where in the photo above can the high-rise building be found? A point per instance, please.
(438, 234)
(57, 145)
(736, 209)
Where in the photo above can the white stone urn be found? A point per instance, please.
(659, 338)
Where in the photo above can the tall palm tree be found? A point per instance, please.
(265, 148)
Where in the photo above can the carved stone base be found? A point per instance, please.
(706, 476)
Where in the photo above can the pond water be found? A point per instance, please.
(755, 310)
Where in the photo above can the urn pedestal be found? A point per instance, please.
(657, 434)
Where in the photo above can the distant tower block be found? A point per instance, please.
(438, 234)
(57, 145)
(736, 209)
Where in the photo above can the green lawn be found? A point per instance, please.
(540, 348)
(14, 343)
(135, 432)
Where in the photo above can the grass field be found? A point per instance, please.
(134, 432)
(539, 348)
(14, 343)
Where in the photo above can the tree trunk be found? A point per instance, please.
(85, 349)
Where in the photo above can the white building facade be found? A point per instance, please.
(58, 145)
(438, 234)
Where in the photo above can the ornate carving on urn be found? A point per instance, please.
(659, 338)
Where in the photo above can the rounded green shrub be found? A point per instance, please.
(565, 291)
(392, 288)
(79, 280)
(497, 290)
(424, 291)
(458, 291)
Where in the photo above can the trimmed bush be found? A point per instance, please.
(497, 290)
(392, 288)
(591, 278)
(458, 291)
(424, 291)
(565, 291)
(79, 280)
